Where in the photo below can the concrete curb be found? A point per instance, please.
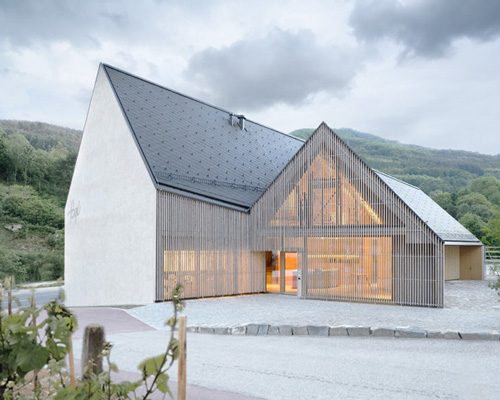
(341, 330)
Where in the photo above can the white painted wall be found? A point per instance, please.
(110, 234)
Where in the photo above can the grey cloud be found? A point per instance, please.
(30, 22)
(426, 28)
(82, 97)
(282, 67)
(129, 61)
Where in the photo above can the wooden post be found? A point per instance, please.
(181, 376)
(71, 362)
(9, 301)
(35, 372)
(93, 343)
(10, 282)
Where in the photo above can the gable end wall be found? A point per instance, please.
(110, 212)
(416, 255)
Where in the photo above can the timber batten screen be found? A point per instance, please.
(355, 239)
(204, 247)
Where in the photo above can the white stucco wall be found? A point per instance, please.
(110, 213)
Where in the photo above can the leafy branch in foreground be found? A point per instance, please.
(26, 348)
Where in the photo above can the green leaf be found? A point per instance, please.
(113, 367)
(132, 386)
(31, 357)
(162, 383)
(151, 366)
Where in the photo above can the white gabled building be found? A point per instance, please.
(168, 189)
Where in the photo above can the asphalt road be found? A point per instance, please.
(42, 295)
(271, 367)
(301, 367)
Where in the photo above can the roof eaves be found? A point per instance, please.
(200, 197)
(463, 243)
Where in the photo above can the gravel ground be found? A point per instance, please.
(470, 305)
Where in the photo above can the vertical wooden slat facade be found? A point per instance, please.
(206, 248)
(355, 239)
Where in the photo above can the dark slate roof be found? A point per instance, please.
(192, 148)
(442, 223)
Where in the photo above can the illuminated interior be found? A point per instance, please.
(278, 266)
(290, 272)
(273, 271)
(350, 267)
(201, 273)
(324, 196)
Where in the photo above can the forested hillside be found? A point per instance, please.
(37, 162)
(36, 165)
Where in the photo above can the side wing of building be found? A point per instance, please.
(464, 256)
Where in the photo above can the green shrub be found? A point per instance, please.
(31, 267)
(34, 210)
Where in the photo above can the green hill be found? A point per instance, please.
(429, 169)
(36, 166)
(43, 136)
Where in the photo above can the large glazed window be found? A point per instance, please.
(357, 268)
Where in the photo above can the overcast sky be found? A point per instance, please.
(423, 72)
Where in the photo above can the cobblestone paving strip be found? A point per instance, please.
(354, 331)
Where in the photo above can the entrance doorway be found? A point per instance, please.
(281, 272)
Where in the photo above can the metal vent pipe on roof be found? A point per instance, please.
(241, 119)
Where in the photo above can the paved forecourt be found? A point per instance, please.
(472, 311)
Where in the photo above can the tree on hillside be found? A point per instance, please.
(474, 224)
(474, 203)
(492, 229)
(445, 200)
(489, 186)
(40, 165)
(18, 151)
(4, 156)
